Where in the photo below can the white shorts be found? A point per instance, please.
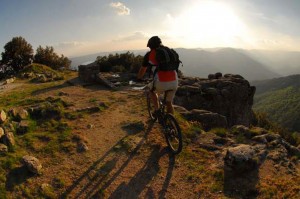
(161, 87)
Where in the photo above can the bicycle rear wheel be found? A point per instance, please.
(173, 134)
(150, 107)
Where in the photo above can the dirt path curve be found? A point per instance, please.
(123, 160)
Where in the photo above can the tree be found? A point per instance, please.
(17, 54)
(48, 57)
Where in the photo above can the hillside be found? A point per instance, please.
(201, 62)
(280, 99)
(94, 142)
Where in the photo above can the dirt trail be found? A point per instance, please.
(123, 161)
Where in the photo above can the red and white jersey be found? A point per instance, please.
(163, 76)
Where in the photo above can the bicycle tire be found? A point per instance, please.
(150, 107)
(173, 133)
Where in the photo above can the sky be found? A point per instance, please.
(81, 27)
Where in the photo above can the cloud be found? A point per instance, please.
(69, 44)
(120, 8)
(135, 36)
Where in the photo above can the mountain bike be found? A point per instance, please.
(171, 129)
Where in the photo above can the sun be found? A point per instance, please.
(207, 23)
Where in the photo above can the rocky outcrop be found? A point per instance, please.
(229, 95)
(88, 73)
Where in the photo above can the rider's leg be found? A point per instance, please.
(170, 108)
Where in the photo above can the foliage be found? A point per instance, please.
(119, 62)
(17, 54)
(281, 106)
(48, 57)
(38, 68)
(261, 120)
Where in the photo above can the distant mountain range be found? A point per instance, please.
(279, 98)
(251, 64)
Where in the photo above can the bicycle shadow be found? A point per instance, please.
(144, 176)
(100, 170)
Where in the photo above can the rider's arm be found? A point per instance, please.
(142, 72)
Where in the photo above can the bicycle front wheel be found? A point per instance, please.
(150, 107)
(173, 134)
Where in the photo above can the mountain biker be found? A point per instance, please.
(162, 80)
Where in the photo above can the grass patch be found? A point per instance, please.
(221, 132)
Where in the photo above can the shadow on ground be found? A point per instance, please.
(105, 173)
(241, 184)
(16, 177)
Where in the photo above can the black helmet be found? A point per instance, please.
(154, 42)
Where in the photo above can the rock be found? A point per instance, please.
(241, 158)
(208, 119)
(32, 164)
(61, 93)
(9, 139)
(259, 130)
(82, 147)
(3, 148)
(1, 132)
(23, 127)
(210, 91)
(2, 116)
(186, 90)
(90, 126)
(19, 113)
(272, 137)
(10, 80)
(211, 76)
(260, 139)
(233, 76)
(180, 109)
(218, 75)
(102, 80)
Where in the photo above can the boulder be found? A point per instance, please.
(88, 73)
(241, 158)
(208, 119)
(32, 164)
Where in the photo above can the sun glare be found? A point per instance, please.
(209, 24)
